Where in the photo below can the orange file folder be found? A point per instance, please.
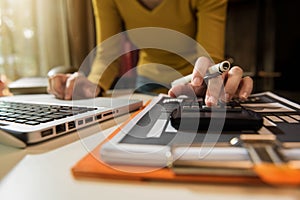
(91, 165)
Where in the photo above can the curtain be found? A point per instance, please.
(81, 31)
(37, 35)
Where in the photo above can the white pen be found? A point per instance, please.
(212, 72)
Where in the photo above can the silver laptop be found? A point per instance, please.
(33, 118)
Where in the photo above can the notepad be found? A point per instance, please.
(29, 85)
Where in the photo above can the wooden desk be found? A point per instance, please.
(44, 172)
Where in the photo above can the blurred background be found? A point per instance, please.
(261, 36)
(263, 39)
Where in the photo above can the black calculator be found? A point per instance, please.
(193, 114)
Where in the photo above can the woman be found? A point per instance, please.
(201, 20)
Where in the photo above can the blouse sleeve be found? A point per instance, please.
(211, 25)
(108, 23)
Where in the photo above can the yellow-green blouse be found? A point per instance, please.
(202, 20)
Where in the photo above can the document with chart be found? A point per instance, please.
(184, 132)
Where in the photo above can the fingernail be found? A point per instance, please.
(227, 97)
(67, 97)
(212, 100)
(244, 95)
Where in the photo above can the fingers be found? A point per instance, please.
(188, 90)
(61, 85)
(181, 90)
(245, 88)
(214, 85)
(2, 88)
(201, 66)
(213, 92)
(234, 77)
(81, 88)
(237, 85)
(56, 85)
(230, 84)
(93, 90)
(70, 86)
(197, 87)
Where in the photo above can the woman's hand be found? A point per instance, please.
(224, 87)
(72, 86)
(2, 88)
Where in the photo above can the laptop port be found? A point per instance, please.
(88, 120)
(108, 113)
(80, 122)
(60, 128)
(71, 125)
(47, 132)
(98, 116)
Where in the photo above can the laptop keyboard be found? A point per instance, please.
(35, 114)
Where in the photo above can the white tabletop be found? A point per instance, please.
(44, 172)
